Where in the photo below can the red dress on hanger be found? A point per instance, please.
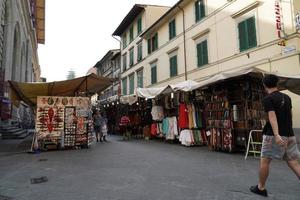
(183, 120)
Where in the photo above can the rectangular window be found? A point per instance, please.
(131, 84)
(153, 43)
(202, 53)
(140, 79)
(172, 29)
(124, 62)
(140, 52)
(139, 25)
(173, 66)
(131, 57)
(131, 34)
(199, 10)
(247, 34)
(153, 74)
(124, 41)
(124, 86)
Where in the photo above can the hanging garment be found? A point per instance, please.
(190, 114)
(154, 129)
(157, 113)
(194, 116)
(183, 116)
(165, 126)
(185, 137)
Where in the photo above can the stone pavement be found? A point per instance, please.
(140, 170)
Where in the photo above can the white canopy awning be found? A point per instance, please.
(291, 83)
(286, 82)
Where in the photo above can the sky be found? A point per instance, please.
(78, 34)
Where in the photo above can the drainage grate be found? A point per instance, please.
(38, 180)
(43, 159)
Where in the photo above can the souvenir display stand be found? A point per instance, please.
(233, 108)
(63, 122)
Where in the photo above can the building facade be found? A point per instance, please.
(196, 39)
(133, 47)
(109, 66)
(22, 28)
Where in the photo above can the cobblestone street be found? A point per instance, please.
(138, 170)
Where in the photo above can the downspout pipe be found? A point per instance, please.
(184, 42)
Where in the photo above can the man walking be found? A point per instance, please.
(279, 141)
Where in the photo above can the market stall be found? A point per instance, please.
(63, 109)
(218, 111)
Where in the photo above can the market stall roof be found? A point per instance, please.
(151, 93)
(291, 83)
(28, 92)
(286, 82)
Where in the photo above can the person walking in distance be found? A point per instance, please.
(104, 129)
(97, 125)
(279, 141)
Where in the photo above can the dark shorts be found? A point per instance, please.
(97, 129)
(273, 151)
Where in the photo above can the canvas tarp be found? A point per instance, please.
(28, 92)
(291, 83)
(151, 93)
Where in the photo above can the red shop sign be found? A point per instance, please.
(278, 19)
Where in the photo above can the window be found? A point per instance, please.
(173, 66)
(131, 84)
(124, 41)
(199, 10)
(153, 43)
(131, 57)
(202, 53)
(172, 29)
(124, 62)
(139, 25)
(140, 80)
(140, 52)
(154, 74)
(247, 34)
(124, 86)
(131, 34)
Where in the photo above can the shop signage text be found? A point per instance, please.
(298, 21)
(278, 20)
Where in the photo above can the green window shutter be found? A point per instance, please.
(252, 42)
(197, 10)
(139, 25)
(202, 53)
(124, 62)
(153, 75)
(140, 52)
(149, 46)
(202, 9)
(131, 61)
(155, 41)
(173, 66)
(131, 84)
(140, 79)
(124, 86)
(199, 54)
(172, 29)
(124, 40)
(131, 34)
(205, 52)
(242, 26)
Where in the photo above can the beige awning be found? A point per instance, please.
(87, 85)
